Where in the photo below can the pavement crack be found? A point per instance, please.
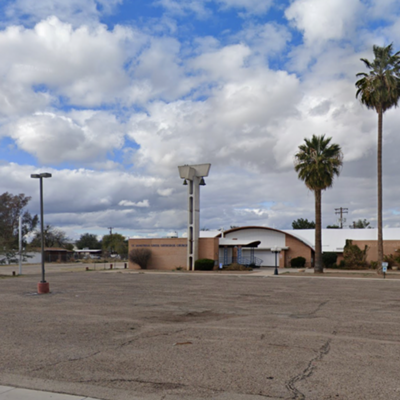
(146, 335)
(65, 361)
(154, 384)
(312, 313)
(307, 372)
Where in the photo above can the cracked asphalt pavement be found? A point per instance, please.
(123, 335)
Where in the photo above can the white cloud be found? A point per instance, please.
(250, 6)
(324, 20)
(128, 203)
(78, 136)
(236, 124)
(157, 73)
(75, 11)
(165, 192)
(202, 10)
(179, 8)
(266, 39)
(387, 10)
(85, 65)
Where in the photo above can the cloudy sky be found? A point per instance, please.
(110, 96)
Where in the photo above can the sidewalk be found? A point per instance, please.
(11, 393)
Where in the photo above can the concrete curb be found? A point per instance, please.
(12, 393)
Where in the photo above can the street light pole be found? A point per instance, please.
(43, 286)
(276, 250)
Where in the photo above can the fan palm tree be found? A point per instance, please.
(380, 90)
(317, 163)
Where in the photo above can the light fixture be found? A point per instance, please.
(202, 182)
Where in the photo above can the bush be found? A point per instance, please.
(373, 265)
(354, 257)
(392, 259)
(140, 257)
(298, 262)
(204, 264)
(237, 267)
(329, 259)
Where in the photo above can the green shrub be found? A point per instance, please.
(373, 264)
(392, 260)
(329, 259)
(298, 262)
(341, 265)
(354, 257)
(204, 264)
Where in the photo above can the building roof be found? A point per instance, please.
(209, 234)
(335, 239)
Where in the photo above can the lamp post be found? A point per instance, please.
(276, 250)
(43, 286)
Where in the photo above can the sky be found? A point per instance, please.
(111, 96)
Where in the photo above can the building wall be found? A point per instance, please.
(267, 237)
(209, 248)
(389, 247)
(297, 249)
(171, 253)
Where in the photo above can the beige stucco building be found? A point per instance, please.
(255, 244)
(245, 245)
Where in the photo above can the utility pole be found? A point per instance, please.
(341, 211)
(111, 245)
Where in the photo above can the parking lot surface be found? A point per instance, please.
(122, 335)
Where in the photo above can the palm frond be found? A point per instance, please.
(318, 162)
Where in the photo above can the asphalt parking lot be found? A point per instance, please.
(122, 335)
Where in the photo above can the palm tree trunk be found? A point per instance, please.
(318, 242)
(380, 235)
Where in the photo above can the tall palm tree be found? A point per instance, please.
(317, 163)
(380, 90)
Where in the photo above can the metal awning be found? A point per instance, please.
(238, 242)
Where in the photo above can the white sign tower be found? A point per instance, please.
(193, 176)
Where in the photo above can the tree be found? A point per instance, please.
(360, 224)
(380, 90)
(301, 223)
(88, 240)
(53, 237)
(317, 163)
(115, 243)
(333, 227)
(11, 208)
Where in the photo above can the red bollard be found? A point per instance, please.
(43, 287)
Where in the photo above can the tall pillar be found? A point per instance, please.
(193, 176)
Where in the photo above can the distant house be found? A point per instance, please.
(87, 253)
(51, 254)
